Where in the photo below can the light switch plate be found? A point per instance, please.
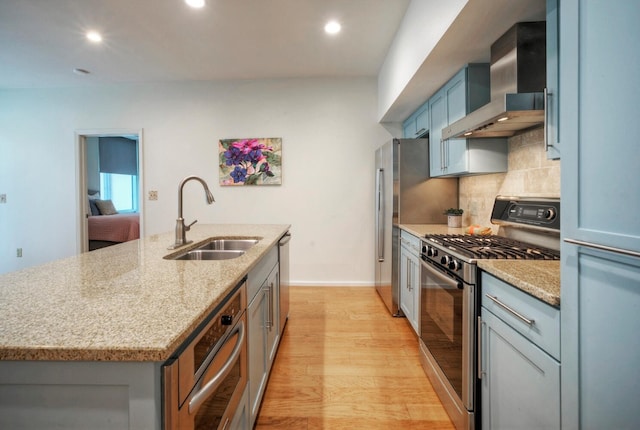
(3, 198)
(153, 195)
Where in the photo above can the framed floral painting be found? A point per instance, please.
(254, 161)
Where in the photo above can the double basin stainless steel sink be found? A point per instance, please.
(217, 249)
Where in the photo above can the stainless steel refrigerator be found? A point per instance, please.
(405, 194)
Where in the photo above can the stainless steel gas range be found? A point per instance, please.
(449, 294)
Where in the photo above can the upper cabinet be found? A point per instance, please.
(417, 125)
(598, 104)
(465, 92)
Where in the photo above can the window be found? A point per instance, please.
(121, 189)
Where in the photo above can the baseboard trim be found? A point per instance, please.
(331, 284)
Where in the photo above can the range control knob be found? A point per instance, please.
(445, 260)
(549, 214)
(226, 319)
(424, 250)
(432, 252)
(454, 264)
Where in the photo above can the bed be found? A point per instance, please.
(106, 230)
(109, 227)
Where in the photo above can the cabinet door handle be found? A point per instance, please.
(480, 343)
(270, 306)
(603, 247)
(510, 310)
(419, 132)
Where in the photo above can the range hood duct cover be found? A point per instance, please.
(518, 77)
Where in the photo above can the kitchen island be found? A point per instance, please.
(91, 332)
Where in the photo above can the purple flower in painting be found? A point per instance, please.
(233, 156)
(239, 174)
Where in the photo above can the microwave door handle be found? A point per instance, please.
(201, 395)
(380, 213)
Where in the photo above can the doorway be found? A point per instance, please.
(109, 182)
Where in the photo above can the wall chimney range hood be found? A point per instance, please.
(518, 80)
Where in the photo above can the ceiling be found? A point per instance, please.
(43, 41)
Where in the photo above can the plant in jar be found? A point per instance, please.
(454, 217)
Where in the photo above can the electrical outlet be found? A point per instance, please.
(19, 252)
(3, 198)
(153, 195)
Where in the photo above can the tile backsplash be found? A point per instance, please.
(529, 174)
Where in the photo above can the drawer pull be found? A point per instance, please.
(509, 309)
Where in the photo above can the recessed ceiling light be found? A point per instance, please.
(94, 36)
(197, 4)
(332, 27)
(504, 118)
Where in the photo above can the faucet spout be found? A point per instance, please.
(181, 229)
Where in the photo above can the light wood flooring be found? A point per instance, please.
(345, 363)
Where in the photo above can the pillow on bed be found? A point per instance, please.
(106, 207)
(93, 207)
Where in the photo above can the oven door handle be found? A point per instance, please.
(450, 281)
(201, 395)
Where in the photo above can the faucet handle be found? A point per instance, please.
(188, 227)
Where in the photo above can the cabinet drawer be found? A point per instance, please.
(544, 330)
(412, 242)
(260, 272)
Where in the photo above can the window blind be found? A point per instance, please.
(118, 155)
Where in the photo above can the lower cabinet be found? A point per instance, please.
(263, 328)
(410, 278)
(520, 379)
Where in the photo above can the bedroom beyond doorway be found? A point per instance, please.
(110, 180)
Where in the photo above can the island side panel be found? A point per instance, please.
(80, 395)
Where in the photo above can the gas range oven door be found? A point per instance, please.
(447, 340)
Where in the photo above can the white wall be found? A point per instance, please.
(423, 25)
(329, 132)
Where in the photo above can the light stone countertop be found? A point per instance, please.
(121, 303)
(538, 278)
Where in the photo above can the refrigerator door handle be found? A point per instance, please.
(380, 214)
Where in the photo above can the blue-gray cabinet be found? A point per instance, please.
(466, 91)
(518, 365)
(417, 125)
(410, 278)
(437, 121)
(600, 256)
(263, 332)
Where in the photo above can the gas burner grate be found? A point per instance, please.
(493, 247)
